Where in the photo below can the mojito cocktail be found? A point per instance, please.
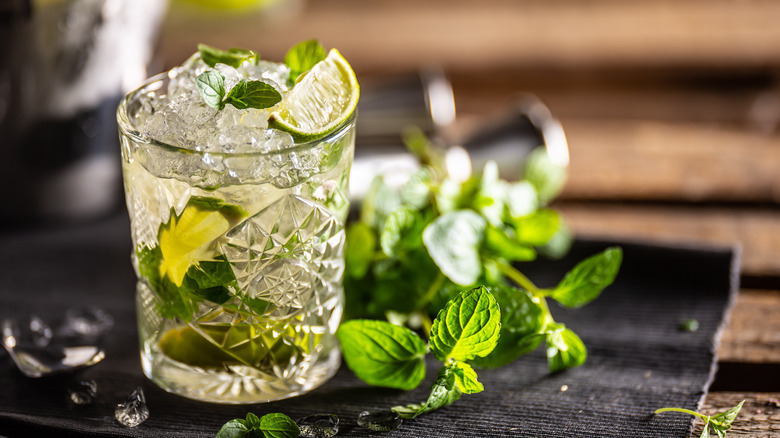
(235, 174)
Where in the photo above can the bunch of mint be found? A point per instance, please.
(415, 248)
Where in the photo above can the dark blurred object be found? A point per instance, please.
(390, 105)
(68, 64)
(511, 137)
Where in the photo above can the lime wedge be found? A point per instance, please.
(189, 238)
(321, 101)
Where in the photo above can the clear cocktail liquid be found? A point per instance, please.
(239, 243)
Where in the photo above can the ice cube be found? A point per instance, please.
(319, 426)
(40, 334)
(379, 421)
(232, 76)
(83, 392)
(89, 320)
(267, 71)
(133, 411)
(35, 355)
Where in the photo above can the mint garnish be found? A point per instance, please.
(384, 354)
(212, 56)
(253, 94)
(720, 423)
(269, 426)
(245, 94)
(302, 57)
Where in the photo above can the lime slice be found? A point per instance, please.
(189, 238)
(252, 344)
(321, 101)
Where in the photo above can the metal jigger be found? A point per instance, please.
(426, 101)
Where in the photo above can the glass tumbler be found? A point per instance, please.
(239, 258)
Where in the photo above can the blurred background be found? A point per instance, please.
(671, 108)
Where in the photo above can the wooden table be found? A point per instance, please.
(671, 109)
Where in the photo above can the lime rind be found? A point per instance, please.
(320, 101)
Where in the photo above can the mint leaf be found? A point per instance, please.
(402, 230)
(211, 280)
(547, 177)
(453, 241)
(467, 327)
(270, 426)
(537, 228)
(211, 87)
(416, 193)
(252, 94)
(231, 212)
(521, 199)
(252, 422)
(278, 426)
(490, 199)
(211, 56)
(722, 422)
(383, 354)
(585, 281)
(379, 202)
(444, 392)
(466, 378)
(560, 242)
(498, 242)
(522, 319)
(234, 429)
(302, 57)
(564, 349)
(171, 303)
(360, 249)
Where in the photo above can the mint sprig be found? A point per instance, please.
(384, 354)
(415, 247)
(234, 57)
(245, 94)
(302, 57)
(719, 423)
(274, 425)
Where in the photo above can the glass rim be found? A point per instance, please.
(126, 128)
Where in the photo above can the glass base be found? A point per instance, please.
(234, 384)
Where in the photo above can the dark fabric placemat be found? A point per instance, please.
(638, 358)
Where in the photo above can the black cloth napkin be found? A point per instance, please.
(638, 358)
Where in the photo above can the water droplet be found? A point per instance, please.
(133, 411)
(379, 421)
(319, 426)
(84, 392)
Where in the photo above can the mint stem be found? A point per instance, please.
(685, 411)
(518, 277)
